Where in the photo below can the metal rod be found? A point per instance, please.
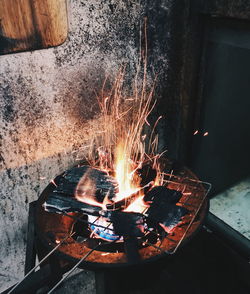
(30, 254)
(85, 222)
(73, 268)
(54, 249)
(35, 267)
(156, 247)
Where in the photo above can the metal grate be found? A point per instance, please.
(194, 194)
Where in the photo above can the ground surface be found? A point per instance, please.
(232, 206)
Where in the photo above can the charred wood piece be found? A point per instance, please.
(126, 224)
(65, 187)
(168, 217)
(124, 203)
(163, 195)
(171, 217)
(59, 204)
(89, 181)
(163, 209)
(74, 175)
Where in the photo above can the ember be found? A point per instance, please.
(162, 209)
(86, 190)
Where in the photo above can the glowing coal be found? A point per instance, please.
(88, 191)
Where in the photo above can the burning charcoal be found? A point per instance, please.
(173, 217)
(86, 181)
(96, 184)
(169, 216)
(126, 224)
(124, 203)
(106, 186)
(75, 174)
(58, 204)
(162, 195)
(65, 187)
(163, 209)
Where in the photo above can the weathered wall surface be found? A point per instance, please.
(48, 107)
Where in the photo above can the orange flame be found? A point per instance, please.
(124, 143)
(123, 172)
(137, 206)
(85, 190)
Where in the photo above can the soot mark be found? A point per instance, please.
(106, 28)
(9, 110)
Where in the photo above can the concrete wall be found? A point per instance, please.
(48, 107)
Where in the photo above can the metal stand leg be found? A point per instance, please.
(109, 282)
(50, 272)
(30, 258)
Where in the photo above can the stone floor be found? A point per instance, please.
(79, 282)
(233, 207)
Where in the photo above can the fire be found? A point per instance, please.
(123, 173)
(137, 206)
(120, 148)
(125, 141)
(85, 190)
